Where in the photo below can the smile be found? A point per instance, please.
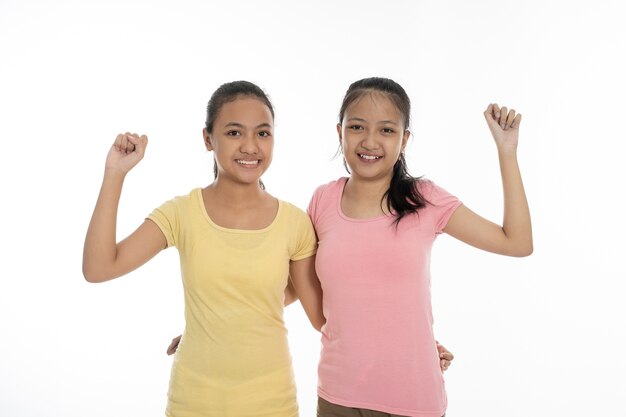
(248, 163)
(369, 157)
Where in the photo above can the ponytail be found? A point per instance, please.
(403, 195)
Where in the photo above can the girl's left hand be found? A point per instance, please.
(445, 357)
(504, 126)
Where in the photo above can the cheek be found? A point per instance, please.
(349, 140)
(267, 149)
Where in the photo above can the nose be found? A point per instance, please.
(249, 144)
(369, 141)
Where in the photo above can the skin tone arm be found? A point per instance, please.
(103, 257)
(308, 289)
(514, 237)
(290, 294)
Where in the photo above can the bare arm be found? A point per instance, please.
(290, 293)
(308, 289)
(103, 257)
(514, 236)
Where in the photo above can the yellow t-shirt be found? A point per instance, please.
(233, 359)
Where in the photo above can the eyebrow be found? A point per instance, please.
(358, 119)
(239, 125)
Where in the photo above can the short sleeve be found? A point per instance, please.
(314, 205)
(442, 204)
(312, 208)
(305, 242)
(167, 218)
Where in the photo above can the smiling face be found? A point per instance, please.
(242, 140)
(372, 136)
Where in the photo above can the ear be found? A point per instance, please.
(339, 132)
(207, 140)
(405, 138)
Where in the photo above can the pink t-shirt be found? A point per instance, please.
(378, 347)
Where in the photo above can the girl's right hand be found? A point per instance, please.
(173, 347)
(504, 126)
(126, 152)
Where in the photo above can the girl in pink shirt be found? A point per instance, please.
(375, 231)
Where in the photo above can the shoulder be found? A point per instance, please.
(324, 196)
(291, 210)
(297, 222)
(432, 192)
(330, 188)
(441, 204)
(181, 202)
(424, 186)
(194, 194)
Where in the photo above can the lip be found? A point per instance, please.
(368, 158)
(248, 163)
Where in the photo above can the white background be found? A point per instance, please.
(540, 336)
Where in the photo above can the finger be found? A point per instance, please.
(502, 118)
(448, 356)
(509, 118)
(173, 346)
(130, 143)
(124, 143)
(515, 123)
(444, 365)
(139, 143)
(487, 113)
(118, 142)
(496, 112)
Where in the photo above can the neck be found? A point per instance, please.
(359, 189)
(235, 194)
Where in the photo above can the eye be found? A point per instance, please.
(265, 134)
(355, 127)
(233, 133)
(388, 130)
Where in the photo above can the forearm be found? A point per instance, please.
(290, 294)
(308, 289)
(516, 223)
(100, 249)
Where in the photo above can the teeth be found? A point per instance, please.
(243, 162)
(369, 157)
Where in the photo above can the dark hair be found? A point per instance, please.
(230, 92)
(403, 197)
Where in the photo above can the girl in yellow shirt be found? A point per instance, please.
(238, 246)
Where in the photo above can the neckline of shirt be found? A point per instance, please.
(342, 184)
(200, 205)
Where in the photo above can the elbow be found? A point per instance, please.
(94, 276)
(91, 277)
(529, 251)
(523, 254)
(524, 251)
(319, 324)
